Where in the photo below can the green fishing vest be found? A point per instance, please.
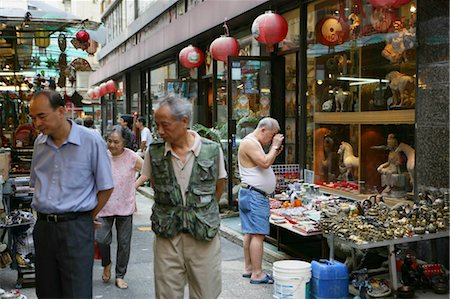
(201, 210)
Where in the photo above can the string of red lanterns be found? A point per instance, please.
(104, 89)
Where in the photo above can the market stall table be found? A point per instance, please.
(290, 227)
(390, 244)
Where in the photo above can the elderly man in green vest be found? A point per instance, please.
(188, 176)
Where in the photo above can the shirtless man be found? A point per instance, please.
(257, 181)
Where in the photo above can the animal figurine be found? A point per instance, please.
(402, 87)
(341, 97)
(410, 156)
(348, 160)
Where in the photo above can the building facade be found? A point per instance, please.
(360, 87)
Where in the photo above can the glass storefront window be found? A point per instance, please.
(292, 40)
(361, 68)
(158, 77)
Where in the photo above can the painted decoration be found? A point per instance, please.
(269, 28)
(96, 93)
(191, 57)
(331, 32)
(224, 46)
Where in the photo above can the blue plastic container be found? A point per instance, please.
(329, 280)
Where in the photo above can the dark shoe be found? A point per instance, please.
(247, 275)
(266, 280)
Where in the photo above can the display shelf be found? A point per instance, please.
(343, 193)
(367, 117)
(390, 244)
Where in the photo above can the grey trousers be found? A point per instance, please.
(103, 236)
(64, 258)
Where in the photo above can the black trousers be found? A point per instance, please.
(64, 258)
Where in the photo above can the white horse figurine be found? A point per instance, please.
(410, 154)
(348, 159)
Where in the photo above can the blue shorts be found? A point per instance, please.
(254, 212)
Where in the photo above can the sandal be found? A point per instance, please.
(121, 284)
(266, 280)
(106, 275)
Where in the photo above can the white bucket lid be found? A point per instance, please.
(292, 265)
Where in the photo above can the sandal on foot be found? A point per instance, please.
(121, 284)
(246, 275)
(106, 275)
(266, 280)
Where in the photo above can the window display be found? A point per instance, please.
(361, 95)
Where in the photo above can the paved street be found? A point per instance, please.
(140, 269)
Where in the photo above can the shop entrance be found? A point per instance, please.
(250, 93)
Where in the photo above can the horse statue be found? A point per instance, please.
(402, 87)
(410, 154)
(348, 161)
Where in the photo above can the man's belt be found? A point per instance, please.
(61, 217)
(250, 187)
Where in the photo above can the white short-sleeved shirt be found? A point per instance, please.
(146, 136)
(183, 170)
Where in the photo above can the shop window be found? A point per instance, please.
(292, 40)
(361, 69)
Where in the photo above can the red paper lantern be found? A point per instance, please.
(82, 36)
(388, 3)
(224, 46)
(102, 89)
(96, 93)
(269, 28)
(110, 86)
(90, 93)
(119, 92)
(331, 32)
(191, 57)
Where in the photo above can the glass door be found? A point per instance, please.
(250, 99)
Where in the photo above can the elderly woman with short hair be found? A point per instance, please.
(121, 205)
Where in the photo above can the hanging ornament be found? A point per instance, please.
(330, 32)
(62, 61)
(81, 65)
(51, 62)
(388, 3)
(82, 36)
(119, 92)
(110, 86)
(224, 46)
(79, 45)
(42, 40)
(62, 43)
(92, 47)
(269, 28)
(191, 57)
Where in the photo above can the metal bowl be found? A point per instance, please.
(405, 292)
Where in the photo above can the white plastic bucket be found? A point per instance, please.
(291, 279)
